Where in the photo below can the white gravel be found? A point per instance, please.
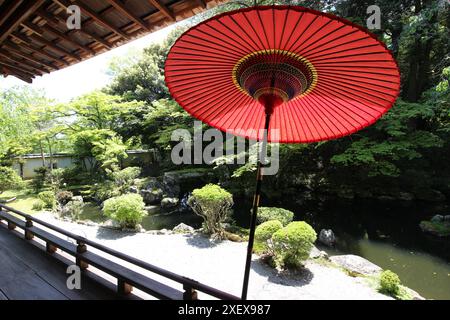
(221, 265)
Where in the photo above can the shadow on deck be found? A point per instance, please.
(28, 273)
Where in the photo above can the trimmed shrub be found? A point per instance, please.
(389, 283)
(213, 204)
(273, 213)
(63, 197)
(38, 205)
(73, 209)
(263, 235)
(9, 179)
(127, 210)
(293, 243)
(55, 178)
(48, 198)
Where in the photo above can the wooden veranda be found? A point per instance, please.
(35, 38)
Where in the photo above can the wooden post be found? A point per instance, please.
(81, 248)
(51, 249)
(11, 226)
(123, 288)
(189, 293)
(28, 224)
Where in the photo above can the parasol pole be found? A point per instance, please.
(256, 198)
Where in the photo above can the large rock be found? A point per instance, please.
(183, 228)
(437, 218)
(77, 199)
(327, 237)
(431, 195)
(171, 184)
(356, 264)
(152, 196)
(133, 189)
(405, 196)
(447, 218)
(169, 203)
(176, 181)
(316, 253)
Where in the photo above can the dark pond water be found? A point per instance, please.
(386, 233)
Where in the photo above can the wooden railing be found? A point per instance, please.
(126, 278)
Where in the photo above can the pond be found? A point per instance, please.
(386, 233)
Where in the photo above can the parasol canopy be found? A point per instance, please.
(319, 76)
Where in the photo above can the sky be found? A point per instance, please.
(86, 76)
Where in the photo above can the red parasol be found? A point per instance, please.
(311, 75)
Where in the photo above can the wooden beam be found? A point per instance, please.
(19, 16)
(23, 63)
(51, 45)
(121, 8)
(55, 19)
(94, 15)
(10, 71)
(29, 57)
(202, 3)
(12, 66)
(40, 31)
(18, 75)
(7, 9)
(39, 51)
(161, 7)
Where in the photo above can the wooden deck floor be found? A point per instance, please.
(28, 273)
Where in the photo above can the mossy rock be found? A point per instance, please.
(440, 229)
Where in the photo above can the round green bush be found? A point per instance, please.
(38, 205)
(273, 213)
(264, 232)
(293, 243)
(213, 204)
(48, 198)
(389, 282)
(127, 210)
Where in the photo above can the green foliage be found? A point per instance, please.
(441, 229)
(48, 198)
(142, 78)
(74, 209)
(293, 243)
(263, 235)
(109, 152)
(127, 210)
(56, 178)
(38, 205)
(103, 145)
(39, 179)
(124, 179)
(63, 197)
(389, 283)
(105, 190)
(9, 179)
(273, 213)
(213, 204)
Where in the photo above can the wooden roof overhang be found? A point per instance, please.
(35, 39)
